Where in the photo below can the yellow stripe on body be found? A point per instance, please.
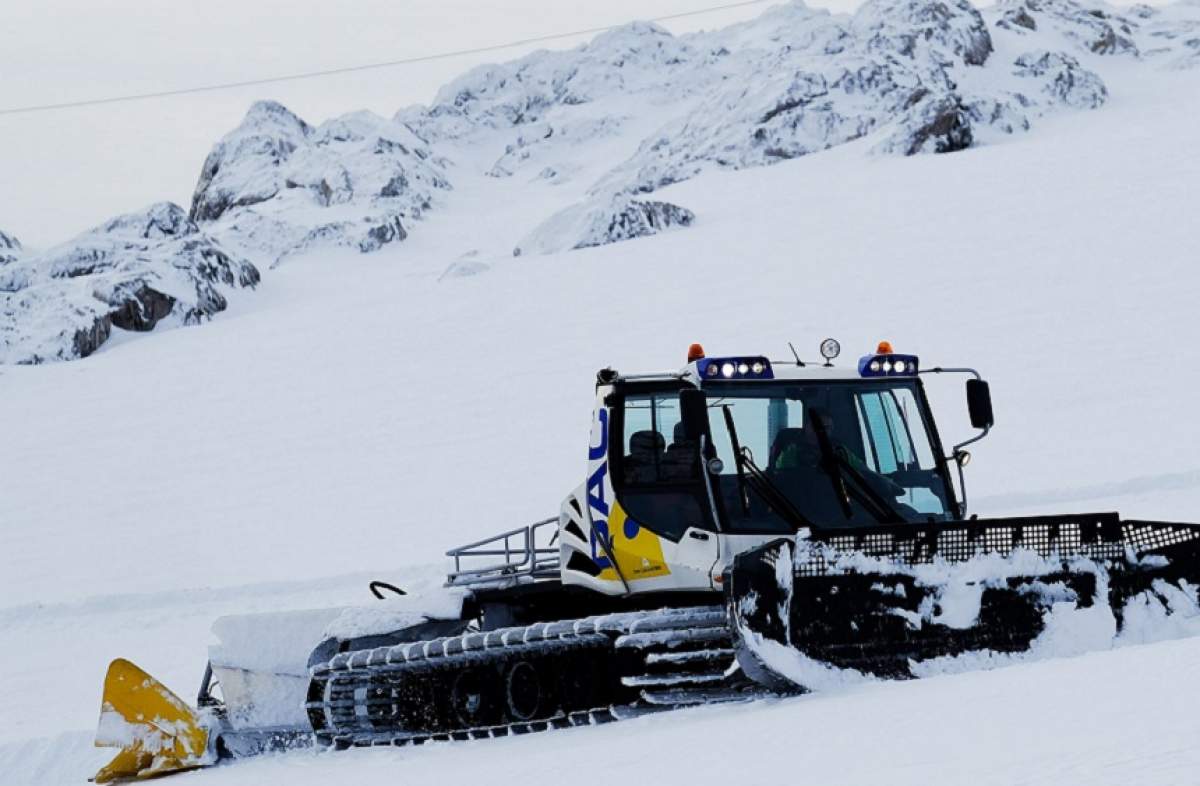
(639, 557)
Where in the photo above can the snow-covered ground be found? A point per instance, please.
(1103, 719)
(359, 413)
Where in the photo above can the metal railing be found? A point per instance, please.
(509, 556)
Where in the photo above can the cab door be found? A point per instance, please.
(663, 530)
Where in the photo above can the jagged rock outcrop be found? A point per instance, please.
(1095, 29)
(913, 76)
(1191, 55)
(10, 248)
(1167, 34)
(243, 168)
(1170, 34)
(920, 74)
(945, 30)
(600, 222)
(625, 61)
(933, 124)
(134, 272)
(265, 187)
(890, 69)
(909, 73)
(1064, 80)
(1017, 19)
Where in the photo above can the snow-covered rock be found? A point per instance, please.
(934, 124)
(1168, 33)
(276, 185)
(10, 248)
(598, 222)
(914, 76)
(1095, 28)
(623, 61)
(133, 272)
(1191, 54)
(784, 116)
(891, 69)
(1171, 33)
(1016, 17)
(945, 30)
(1064, 80)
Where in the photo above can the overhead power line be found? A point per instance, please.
(355, 68)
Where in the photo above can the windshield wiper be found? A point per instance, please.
(737, 459)
(766, 488)
(839, 468)
(758, 481)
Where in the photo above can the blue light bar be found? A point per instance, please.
(756, 367)
(887, 366)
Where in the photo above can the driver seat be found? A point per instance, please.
(789, 442)
(644, 457)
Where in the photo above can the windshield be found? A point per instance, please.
(876, 463)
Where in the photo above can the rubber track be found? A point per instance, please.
(683, 657)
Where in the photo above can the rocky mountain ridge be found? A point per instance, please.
(276, 186)
(601, 128)
(134, 272)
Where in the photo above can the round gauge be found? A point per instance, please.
(830, 348)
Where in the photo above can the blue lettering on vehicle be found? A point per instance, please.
(597, 504)
(601, 450)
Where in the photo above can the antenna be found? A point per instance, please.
(796, 355)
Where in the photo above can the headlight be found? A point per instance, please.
(758, 367)
(899, 366)
(727, 370)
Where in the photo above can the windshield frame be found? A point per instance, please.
(717, 390)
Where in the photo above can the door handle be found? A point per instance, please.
(698, 535)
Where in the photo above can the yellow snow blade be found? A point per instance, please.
(156, 731)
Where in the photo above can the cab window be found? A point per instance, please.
(657, 475)
(656, 449)
(888, 420)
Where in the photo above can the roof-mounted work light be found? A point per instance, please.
(886, 363)
(735, 368)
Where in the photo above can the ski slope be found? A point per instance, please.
(363, 413)
(1103, 719)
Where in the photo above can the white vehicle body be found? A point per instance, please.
(606, 549)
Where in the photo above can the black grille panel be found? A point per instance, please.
(1098, 536)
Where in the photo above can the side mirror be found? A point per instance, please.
(979, 403)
